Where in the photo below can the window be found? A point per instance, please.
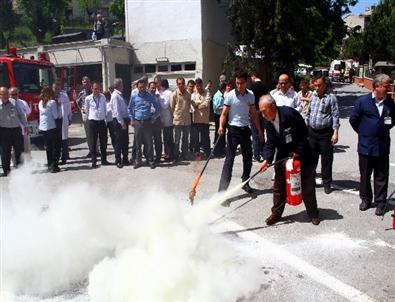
(138, 69)
(176, 67)
(150, 68)
(4, 79)
(190, 66)
(163, 68)
(31, 77)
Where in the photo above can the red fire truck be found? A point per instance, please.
(29, 75)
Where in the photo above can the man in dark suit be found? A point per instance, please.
(287, 132)
(372, 118)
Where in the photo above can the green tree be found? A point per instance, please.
(90, 6)
(8, 21)
(379, 35)
(117, 8)
(353, 47)
(282, 33)
(43, 16)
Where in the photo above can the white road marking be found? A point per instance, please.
(392, 164)
(266, 246)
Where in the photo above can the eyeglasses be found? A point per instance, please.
(283, 83)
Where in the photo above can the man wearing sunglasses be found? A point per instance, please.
(286, 95)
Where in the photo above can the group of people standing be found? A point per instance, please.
(174, 121)
(54, 120)
(303, 125)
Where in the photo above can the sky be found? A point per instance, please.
(362, 5)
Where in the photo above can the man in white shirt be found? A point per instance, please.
(286, 95)
(121, 121)
(167, 120)
(95, 110)
(24, 106)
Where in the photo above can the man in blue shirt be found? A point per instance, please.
(156, 124)
(218, 105)
(141, 119)
(239, 104)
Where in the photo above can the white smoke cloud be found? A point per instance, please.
(128, 246)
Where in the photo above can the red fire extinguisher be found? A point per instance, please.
(293, 182)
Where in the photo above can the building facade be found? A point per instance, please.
(361, 20)
(177, 38)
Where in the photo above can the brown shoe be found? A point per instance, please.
(315, 221)
(272, 219)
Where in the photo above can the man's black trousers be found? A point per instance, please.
(236, 136)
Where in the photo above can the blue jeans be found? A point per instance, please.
(257, 146)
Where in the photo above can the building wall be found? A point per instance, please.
(183, 33)
(216, 33)
(353, 21)
(167, 31)
(359, 20)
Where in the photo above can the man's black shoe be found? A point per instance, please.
(380, 209)
(272, 219)
(152, 165)
(119, 165)
(105, 163)
(55, 169)
(125, 162)
(315, 221)
(94, 165)
(327, 189)
(137, 165)
(364, 205)
(248, 189)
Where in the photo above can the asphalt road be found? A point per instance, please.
(348, 257)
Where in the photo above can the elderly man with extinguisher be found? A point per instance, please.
(286, 131)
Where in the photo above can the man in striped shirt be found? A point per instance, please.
(322, 118)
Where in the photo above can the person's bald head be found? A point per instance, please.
(14, 92)
(283, 81)
(4, 95)
(268, 107)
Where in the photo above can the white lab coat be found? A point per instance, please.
(66, 114)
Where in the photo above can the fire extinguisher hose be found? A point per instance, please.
(387, 204)
(272, 164)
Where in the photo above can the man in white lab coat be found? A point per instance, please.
(65, 111)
